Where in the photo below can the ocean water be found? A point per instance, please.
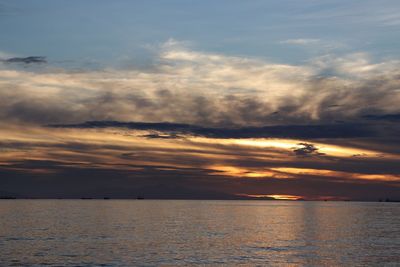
(189, 232)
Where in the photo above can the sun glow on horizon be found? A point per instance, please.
(274, 196)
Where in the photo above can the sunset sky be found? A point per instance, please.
(200, 99)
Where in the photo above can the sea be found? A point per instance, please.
(198, 233)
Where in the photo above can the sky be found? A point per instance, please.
(200, 99)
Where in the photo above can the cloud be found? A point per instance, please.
(73, 181)
(368, 13)
(301, 41)
(206, 89)
(162, 136)
(174, 130)
(121, 162)
(357, 66)
(383, 117)
(306, 149)
(26, 60)
(320, 46)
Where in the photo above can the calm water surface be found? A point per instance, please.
(231, 233)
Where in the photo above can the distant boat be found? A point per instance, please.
(140, 197)
(7, 197)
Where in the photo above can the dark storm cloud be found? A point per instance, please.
(280, 131)
(26, 60)
(383, 117)
(34, 110)
(307, 149)
(162, 136)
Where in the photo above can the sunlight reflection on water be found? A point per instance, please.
(186, 232)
